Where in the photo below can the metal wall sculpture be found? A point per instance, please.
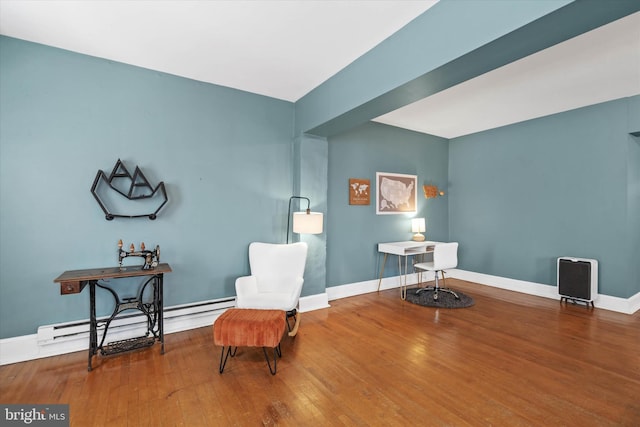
(124, 195)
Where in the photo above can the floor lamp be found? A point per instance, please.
(306, 222)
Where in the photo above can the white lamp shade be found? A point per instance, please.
(307, 223)
(417, 225)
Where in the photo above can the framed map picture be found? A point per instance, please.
(359, 191)
(396, 193)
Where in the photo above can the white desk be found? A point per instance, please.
(403, 250)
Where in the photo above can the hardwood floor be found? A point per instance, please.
(510, 360)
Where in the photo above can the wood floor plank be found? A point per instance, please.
(511, 359)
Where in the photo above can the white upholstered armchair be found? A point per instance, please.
(277, 275)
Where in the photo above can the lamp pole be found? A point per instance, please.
(289, 211)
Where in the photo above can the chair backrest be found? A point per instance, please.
(271, 261)
(445, 255)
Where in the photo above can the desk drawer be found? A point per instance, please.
(71, 287)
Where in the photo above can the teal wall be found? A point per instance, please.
(310, 180)
(450, 43)
(422, 58)
(224, 155)
(354, 231)
(563, 185)
(633, 212)
(232, 159)
(633, 193)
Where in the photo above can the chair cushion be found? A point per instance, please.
(267, 300)
(275, 283)
(424, 266)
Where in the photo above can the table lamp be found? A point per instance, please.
(418, 227)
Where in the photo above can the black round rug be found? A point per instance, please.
(445, 299)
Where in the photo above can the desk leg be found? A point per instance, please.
(384, 261)
(403, 286)
(161, 311)
(93, 324)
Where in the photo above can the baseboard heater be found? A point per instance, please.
(176, 318)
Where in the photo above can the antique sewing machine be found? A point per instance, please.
(151, 258)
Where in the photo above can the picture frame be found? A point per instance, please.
(359, 191)
(396, 193)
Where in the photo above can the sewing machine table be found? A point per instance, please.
(74, 281)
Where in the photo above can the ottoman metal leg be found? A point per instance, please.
(223, 357)
(277, 352)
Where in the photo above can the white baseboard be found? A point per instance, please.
(634, 303)
(177, 319)
(29, 347)
(606, 302)
(49, 342)
(313, 302)
(21, 348)
(359, 288)
(530, 288)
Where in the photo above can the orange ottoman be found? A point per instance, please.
(247, 327)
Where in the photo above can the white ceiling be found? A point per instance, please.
(284, 49)
(281, 49)
(598, 66)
